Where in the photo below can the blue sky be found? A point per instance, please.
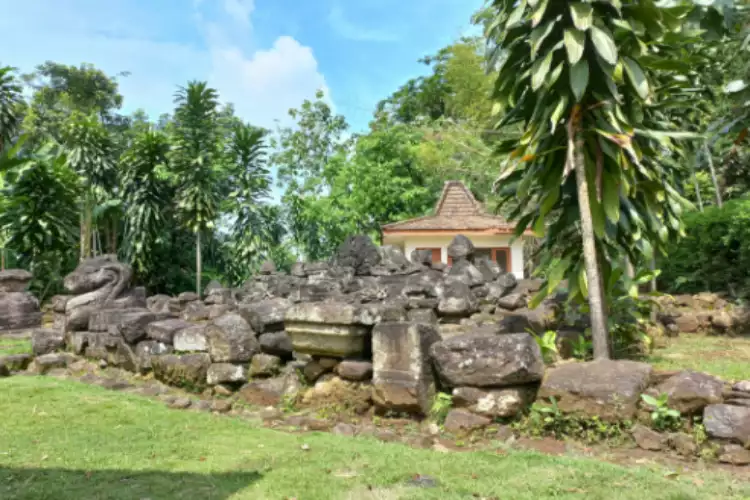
(265, 56)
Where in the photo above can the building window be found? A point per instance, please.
(436, 254)
(502, 257)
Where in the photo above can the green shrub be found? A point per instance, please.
(714, 255)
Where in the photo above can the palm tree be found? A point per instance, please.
(10, 119)
(195, 159)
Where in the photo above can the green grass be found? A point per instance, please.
(725, 357)
(14, 346)
(61, 439)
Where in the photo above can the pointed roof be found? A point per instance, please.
(456, 210)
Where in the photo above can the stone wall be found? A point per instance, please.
(18, 308)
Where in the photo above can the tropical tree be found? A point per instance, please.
(10, 119)
(38, 210)
(147, 197)
(195, 159)
(595, 169)
(91, 154)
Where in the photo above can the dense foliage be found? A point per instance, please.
(715, 253)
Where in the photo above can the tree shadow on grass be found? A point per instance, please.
(64, 484)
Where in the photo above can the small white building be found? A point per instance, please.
(458, 212)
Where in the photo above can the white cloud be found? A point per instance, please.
(266, 84)
(346, 29)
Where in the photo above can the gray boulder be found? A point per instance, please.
(14, 280)
(146, 349)
(226, 373)
(457, 300)
(131, 325)
(358, 253)
(728, 422)
(266, 315)
(265, 365)
(486, 360)
(19, 310)
(423, 257)
(231, 339)
(46, 340)
(191, 339)
(276, 343)
(186, 370)
(689, 392)
(195, 311)
(497, 403)
(610, 390)
(165, 330)
(461, 248)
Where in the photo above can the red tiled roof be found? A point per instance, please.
(456, 210)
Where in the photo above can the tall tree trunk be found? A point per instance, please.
(2, 259)
(198, 263)
(710, 161)
(600, 336)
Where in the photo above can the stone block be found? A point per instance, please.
(191, 339)
(231, 339)
(402, 376)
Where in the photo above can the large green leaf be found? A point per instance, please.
(604, 44)
(579, 78)
(637, 77)
(582, 15)
(575, 41)
(539, 70)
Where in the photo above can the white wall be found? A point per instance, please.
(412, 242)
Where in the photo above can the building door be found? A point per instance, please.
(502, 257)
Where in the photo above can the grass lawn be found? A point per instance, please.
(14, 346)
(61, 439)
(725, 357)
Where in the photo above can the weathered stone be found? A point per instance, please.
(313, 370)
(461, 248)
(386, 312)
(266, 315)
(180, 404)
(165, 330)
(427, 316)
(392, 258)
(489, 268)
(220, 297)
(58, 303)
(648, 439)
(344, 429)
(402, 376)
(276, 343)
(538, 320)
(195, 311)
(147, 348)
(191, 339)
(727, 422)
(610, 390)
(185, 370)
(19, 310)
(467, 273)
(742, 386)
(221, 406)
(212, 286)
(187, 297)
(231, 339)
(359, 253)
(265, 365)
(48, 362)
(326, 329)
(527, 287)
(687, 322)
(16, 362)
(356, 370)
(485, 360)
(457, 300)
(683, 444)
(99, 283)
(733, 454)
(689, 392)
(131, 324)
(512, 301)
(494, 403)
(268, 267)
(14, 280)
(46, 340)
(461, 420)
(423, 257)
(216, 310)
(158, 303)
(333, 392)
(722, 321)
(226, 373)
(269, 391)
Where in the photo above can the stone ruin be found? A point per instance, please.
(368, 331)
(19, 309)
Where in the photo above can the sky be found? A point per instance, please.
(264, 56)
